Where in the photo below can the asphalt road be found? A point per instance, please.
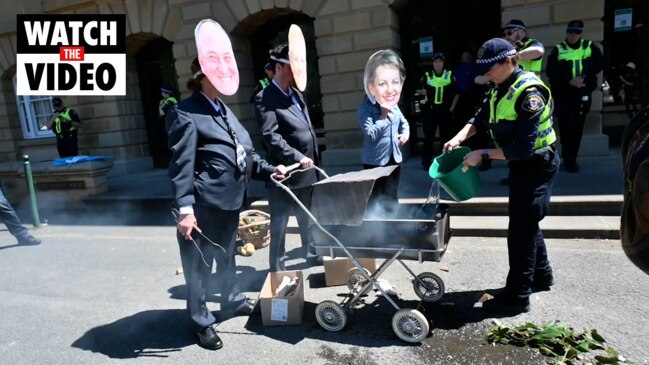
(109, 294)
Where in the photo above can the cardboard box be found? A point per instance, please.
(336, 269)
(281, 311)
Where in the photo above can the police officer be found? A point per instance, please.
(263, 83)
(518, 114)
(440, 98)
(572, 68)
(530, 51)
(65, 123)
(167, 101)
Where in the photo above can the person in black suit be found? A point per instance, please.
(289, 138)
(212, 158)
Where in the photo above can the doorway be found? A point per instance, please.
(155, 68)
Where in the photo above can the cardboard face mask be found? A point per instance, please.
(297, 56)
(216, 56)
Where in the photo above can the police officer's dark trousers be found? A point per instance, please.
(67, 144)
(281, 207)
(220, 226)
(571, 111)
(529, 199)
(435, 117)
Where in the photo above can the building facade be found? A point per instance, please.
(160, 47)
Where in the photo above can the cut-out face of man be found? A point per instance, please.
(297, 56)
(216, 57)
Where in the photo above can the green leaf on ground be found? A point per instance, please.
(559, 342)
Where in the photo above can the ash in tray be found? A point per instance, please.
(287, 287)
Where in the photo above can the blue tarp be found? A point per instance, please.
(77, 159)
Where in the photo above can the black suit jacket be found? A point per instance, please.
(287, 134)
(203, 167)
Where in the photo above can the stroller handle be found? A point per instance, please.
(290, 169)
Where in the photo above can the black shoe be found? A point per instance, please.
(542, 285)
(504, 182)
(208, 339)
(240, 308)
(504, 305)
(29, 240)
(313, 261)
(573, 168)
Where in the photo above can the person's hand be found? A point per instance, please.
(306, 162)
(186, 223)
(403, 138)
(472, 158)
(451, 145)
(385, 110)
(577, 82)
(519, 46)
(280, 172)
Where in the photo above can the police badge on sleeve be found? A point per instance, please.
(533, 103)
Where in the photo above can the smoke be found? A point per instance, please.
(56, 209)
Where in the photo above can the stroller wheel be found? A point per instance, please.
(355, 280)
(429, 287)
(330, 316)
(410, 325)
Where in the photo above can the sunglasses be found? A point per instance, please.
(509, 32)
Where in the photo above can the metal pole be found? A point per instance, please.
(32, 191)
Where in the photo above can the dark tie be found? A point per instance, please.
(240, 150)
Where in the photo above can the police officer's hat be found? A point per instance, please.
(492, 51)
(439, 55)
(57, 102)
(515, 24)
(575, 26)
(167, 89)
(269, 66)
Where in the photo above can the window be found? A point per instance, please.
(35, 111)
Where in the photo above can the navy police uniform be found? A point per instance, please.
(566, 62)
(526, 137)
(440, 92)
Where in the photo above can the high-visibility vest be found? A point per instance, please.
(264, 83)
(439, 82)
(505, 110)
(575, 56)
(531, 65)
(65, 115)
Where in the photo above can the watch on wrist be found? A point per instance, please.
(485, 154)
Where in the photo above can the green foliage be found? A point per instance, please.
(559, 342)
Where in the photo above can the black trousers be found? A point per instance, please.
(281, 207)
(385, 194)
(220, 226)
(67, 144)
(571, 112)
(434, 118)
(530, 189)
(10, 219)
